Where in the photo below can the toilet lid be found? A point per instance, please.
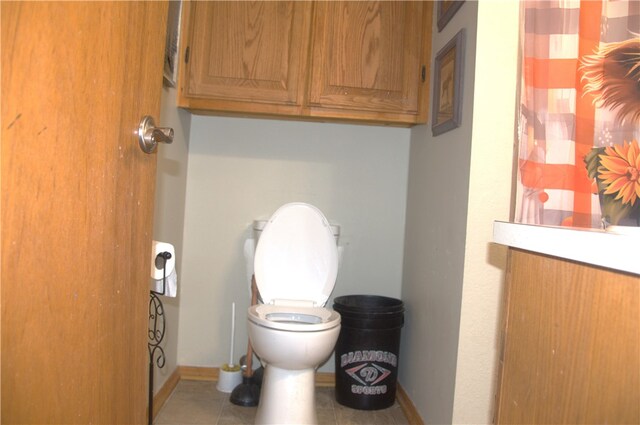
(296, 257)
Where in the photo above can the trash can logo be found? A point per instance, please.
(368, 373)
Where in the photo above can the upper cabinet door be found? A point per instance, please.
(357, 61)
(368, 56)
(245, 52)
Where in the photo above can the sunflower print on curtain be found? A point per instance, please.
(579, 113)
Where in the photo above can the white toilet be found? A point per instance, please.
(296, 264)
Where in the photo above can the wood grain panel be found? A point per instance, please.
(255, 59)
(572, 344)
(366, 55)
(77, 198)
(248, 51)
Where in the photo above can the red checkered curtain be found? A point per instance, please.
(579, 113)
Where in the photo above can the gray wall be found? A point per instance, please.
(243, 169)
(435, 243)
(171, 185)
(459, 183)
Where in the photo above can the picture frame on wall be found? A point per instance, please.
(445, 10)
(447, 85)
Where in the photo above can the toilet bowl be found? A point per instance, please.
(296, 263)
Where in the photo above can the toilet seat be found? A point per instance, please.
(296, 260)
(294, 319)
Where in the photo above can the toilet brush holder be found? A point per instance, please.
(229, 378)
(230, 374)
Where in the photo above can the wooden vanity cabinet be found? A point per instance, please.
(571, 343)
(364, 61)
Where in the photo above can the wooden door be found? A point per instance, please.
(247, 52)
(368, 56)
(77, 205)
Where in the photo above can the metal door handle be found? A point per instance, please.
(149, 135)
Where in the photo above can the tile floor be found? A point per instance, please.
(198, 402)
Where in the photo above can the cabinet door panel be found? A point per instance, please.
(571, 347)
(247, 51)
(367, 56)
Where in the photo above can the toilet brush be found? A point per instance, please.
(248, 392)
(230, 374)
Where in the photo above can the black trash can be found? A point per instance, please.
(367, 350)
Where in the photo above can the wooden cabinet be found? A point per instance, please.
(572, 344)
(365, 57)
(356, 61)
(243, 53)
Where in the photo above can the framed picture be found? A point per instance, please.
(447, 85)
(446, 10)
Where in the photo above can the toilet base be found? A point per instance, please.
(287, 397)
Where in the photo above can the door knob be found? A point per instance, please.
(149, 135)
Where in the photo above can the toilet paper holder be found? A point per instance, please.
(160, 263)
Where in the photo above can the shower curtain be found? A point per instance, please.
(579, 113)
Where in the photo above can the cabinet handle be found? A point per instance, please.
(149, 135)
(424, 73)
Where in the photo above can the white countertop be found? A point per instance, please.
(617, 248)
